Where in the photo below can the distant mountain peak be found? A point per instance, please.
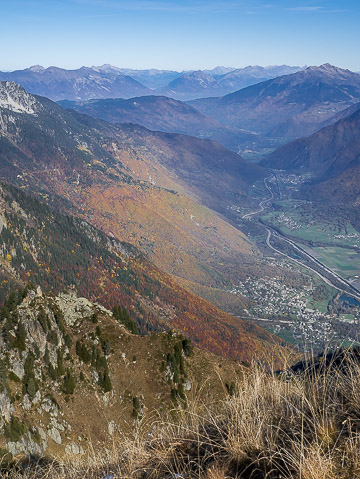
(328, 66)
(106, 68)
(220, 70)
(15, 98)
(329, 69)
(197, 74)
(201, 78)
(36, 68)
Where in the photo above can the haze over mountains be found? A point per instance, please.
(289, 106)
(58, 84)
(161, 113)
(327, 152)
(111, 82)
(256, 118)
(292, 105)
(158, 190)
(200, 84)
(332, 155)
(43, 113)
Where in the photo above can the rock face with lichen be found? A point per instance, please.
(71, 374)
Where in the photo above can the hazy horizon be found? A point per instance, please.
(179, 35)
(179, 70)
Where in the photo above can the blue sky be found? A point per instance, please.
(179, 34)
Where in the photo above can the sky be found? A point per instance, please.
(179, 34)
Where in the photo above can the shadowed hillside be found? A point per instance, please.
(332, 155)
(162, 114)
(287, 107)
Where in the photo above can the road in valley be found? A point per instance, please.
(262, 203)
(350, 289)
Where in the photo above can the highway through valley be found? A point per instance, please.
(329, 276)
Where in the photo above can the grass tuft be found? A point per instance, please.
(298, 425)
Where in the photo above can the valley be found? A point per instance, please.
(180, 239)
(327, 309)
(152, 249)
(212, 223)
(186, 256)
(219, 226)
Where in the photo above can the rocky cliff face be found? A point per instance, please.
(71, 374)
(13, 97)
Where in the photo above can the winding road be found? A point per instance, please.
(351, 290)
(262, 203)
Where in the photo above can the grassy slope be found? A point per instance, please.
(302, 425)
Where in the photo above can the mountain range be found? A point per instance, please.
(201, 84)
(84, 83)
(265, 115)
(289, 106)
(107, 81)
(151, 78)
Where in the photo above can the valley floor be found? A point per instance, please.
(301, 237)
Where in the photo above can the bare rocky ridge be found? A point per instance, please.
(63, 359)
(15, 98)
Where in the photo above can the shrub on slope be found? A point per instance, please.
(299, 425)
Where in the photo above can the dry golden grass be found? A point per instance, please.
(301, 426)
